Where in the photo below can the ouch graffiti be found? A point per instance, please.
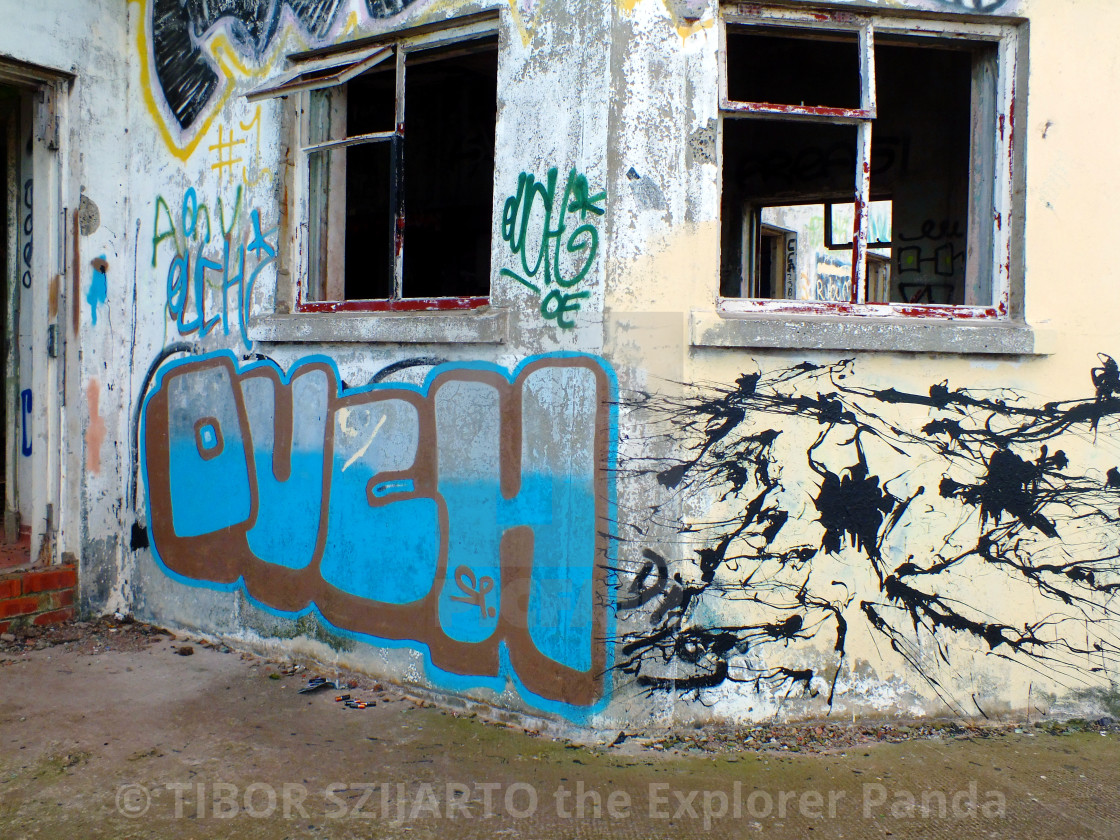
(469, 516)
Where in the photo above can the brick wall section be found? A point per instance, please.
(37, 596)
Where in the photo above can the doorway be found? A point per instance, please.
(16, 248)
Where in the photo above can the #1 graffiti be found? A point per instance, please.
(899, 511)
(470, 517)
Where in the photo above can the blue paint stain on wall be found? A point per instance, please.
(98, 287)
(393, 513)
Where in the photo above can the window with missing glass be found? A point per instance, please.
(395, 170)
(865, 164)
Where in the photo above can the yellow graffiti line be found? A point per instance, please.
(353, 458)
(261, 172)
(628, 6)
(185, 151)
(685, 30)
(523, 29)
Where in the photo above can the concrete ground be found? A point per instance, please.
(114, 734)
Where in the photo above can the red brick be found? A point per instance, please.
(54, 600)
(18, 606)
(9, 588)
(52, 579)
(4, 626)
(54, 617)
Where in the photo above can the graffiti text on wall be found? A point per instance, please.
(25, 421)
(28, 233)
(976, 5)
(202, 257)
(469, 517)
(194, 48)
(982, 492)
(536, 233)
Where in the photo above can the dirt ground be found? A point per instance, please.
(115, 730)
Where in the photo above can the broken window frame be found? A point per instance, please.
(989, 238)
(333, 66)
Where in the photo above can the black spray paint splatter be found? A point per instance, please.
(1032, 516)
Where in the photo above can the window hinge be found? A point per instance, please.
(52, 341)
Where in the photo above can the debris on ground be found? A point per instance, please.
(840, 737)
(122, 632)
(116, 632)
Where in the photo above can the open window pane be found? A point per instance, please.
(793, 67)
(320, 74)
(351, 223)
(790, 182)
(922, 145)
(451, 100)
(371, 101)
(777, 178)
(793, 260)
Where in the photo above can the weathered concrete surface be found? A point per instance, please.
(96, 728)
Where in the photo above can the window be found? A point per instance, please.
(866, 164)
(396, 166)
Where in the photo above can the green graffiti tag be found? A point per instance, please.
(560, 263)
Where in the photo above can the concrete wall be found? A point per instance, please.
(628, 512)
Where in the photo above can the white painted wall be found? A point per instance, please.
(624, 93)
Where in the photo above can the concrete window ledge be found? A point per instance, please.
(488, 326)
(888, 335)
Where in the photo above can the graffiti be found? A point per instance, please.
(261, 171)
(982, 491)
(225, 159)
(963, 5)
(791, 267)
(205, 258)
(28, 232)
(469, 517)
(777, 169)
(186, 77)
(945, 260)
(834, 278)
(976, 5)
(559, 262)
(25, 421)
(98, 287)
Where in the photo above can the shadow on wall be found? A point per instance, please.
(978, 494)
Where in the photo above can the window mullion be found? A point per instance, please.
(396, 188)
(867, 68)
(863, 164)
(862, 200)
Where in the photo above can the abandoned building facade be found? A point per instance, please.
(614, 361)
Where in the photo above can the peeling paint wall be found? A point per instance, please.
(590, 497)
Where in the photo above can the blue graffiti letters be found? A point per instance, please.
(468, 516)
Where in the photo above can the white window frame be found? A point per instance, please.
(997, 170)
